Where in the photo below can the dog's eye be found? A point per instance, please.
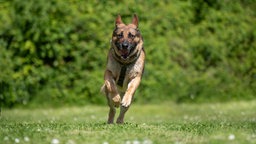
(120, 35)
(131, 35)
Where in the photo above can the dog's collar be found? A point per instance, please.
(130, 60)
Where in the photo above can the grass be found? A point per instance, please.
(167, 123)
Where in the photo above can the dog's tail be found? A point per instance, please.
(106, 87)
(103, 89)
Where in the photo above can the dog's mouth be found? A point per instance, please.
(124, 50)
(124, 53)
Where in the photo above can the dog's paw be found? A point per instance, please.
(119, 121)
(116, 100)
(126, 102)
(108, 85)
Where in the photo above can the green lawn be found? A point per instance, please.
(166, 123)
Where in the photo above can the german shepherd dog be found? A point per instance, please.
(125, 65)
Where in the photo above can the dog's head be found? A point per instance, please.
(126, 39)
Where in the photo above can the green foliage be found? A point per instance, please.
(55, 51)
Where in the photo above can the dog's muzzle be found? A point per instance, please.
(125, 49)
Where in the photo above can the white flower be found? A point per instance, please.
(17, 140)
(105, 142)
(55, 141)
(231, 137)
(26, 139)
(136, 142)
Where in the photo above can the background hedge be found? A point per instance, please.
(54, 52)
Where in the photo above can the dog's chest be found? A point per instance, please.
(124, 75)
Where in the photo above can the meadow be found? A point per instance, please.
(231, 122)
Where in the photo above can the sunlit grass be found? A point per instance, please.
(233, 122)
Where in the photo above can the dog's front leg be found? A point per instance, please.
(132, 86)
(111, 89)
(127, 99)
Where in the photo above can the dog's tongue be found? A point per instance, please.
(124, 53)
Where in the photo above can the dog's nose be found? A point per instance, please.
(125, 45)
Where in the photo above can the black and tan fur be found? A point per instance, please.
(125, 65)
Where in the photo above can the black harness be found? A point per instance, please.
(122, 76)
(124, 66)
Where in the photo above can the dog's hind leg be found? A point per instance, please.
(120, 118)
(111, 115)
(112, 111)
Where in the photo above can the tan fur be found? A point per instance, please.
(134, 63)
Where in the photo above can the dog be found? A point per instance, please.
(125, 66)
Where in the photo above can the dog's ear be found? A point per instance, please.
(135, 20)
(118, 20)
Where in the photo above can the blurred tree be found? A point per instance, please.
(54, 52)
